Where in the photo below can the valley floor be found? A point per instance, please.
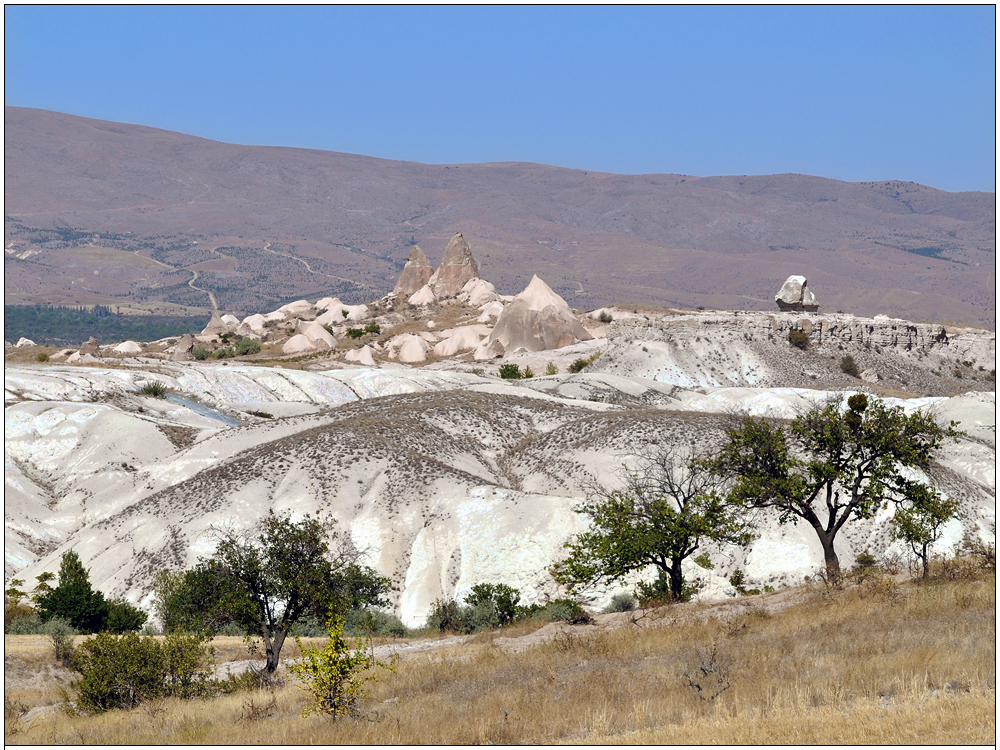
(880, 661)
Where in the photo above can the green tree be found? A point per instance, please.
(500, 597)
(73, 599)
(919, 522)
(830, 465)
(266, 579)
(667, 508)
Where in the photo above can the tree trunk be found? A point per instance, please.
(273, 650)
(829, 555)
(676, 580)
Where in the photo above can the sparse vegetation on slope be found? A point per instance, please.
(877, 661)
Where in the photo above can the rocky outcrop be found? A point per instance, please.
(417, 272)
(752, 349)
(457, 268)
(794, 295)
(537, 319)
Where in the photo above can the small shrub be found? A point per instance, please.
(551, 369)
(42, 357)
(799, 339)
(154, 388)
(605, 317)
(510, 372)
(373, 622)
(581, 363)
(849, 367)
(623, 602)
(247, 346)
(335, 676)
(199, 353)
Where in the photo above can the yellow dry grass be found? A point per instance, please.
(876, 663)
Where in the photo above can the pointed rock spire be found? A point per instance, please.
(417, 272)
(457, 268)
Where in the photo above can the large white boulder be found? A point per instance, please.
(127, 347)
(491, 311)
(423, 296)
(298, 344)
(412, 349)
(460, 340)
(362, 356)
(478, 292)
(317, 334)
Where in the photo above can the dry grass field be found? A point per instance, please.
(880, 661)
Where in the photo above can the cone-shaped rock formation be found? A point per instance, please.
(417, 272)
(538, 319)
(456, 269)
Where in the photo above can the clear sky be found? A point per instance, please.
(853, 93)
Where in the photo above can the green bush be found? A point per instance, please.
(123, 671)
(199, 353)
(362, 622)
(123, 617)
(154, 388)
(247, 346)
(510, 372)
(623, 602)
(849, 367)
(799, 339)
(42, 357)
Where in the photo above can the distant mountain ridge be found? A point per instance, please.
(274, 223)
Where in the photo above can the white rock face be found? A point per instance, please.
(419, 491)
(538, 319)
(128, 347)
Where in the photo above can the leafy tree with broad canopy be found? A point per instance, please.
(668, 507)
(830, 465)
(267, 578)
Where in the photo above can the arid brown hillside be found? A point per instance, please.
(179, 216)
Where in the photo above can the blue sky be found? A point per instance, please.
(853, 93)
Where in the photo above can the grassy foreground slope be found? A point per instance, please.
(877, 662)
